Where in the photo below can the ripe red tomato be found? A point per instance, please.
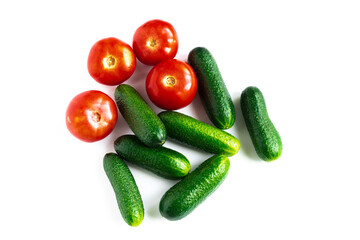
(91, 116)
(111, 61)
(171, 84)
(154, 41)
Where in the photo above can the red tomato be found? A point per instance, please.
(91, 116)
(111, 61)
(154, 41)
(171, 84)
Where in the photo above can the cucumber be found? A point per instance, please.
(186, 195)
(212, 89)
(141, 119)
(125, 188)
(199, 134)
(162, 161)
(264, 136)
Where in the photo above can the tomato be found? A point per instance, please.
(154, 41)
(91, 116)
(171, 84)
(111, 61)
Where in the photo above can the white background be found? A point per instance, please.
(303, 55)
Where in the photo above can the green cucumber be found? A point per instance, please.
(142, 120)
(265, 137)
(162, 161)
(186, 195)
(212, 89)
(199, 134)
(125, 188)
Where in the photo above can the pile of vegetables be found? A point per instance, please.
(171, 84)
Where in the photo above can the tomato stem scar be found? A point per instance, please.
(96, 117)
(109, 62)
(151, 42)
(170, 81)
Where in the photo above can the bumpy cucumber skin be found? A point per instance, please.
(265, 137)
(125, 188)
(162, 161)
(212, 89)
(199, 134)
(141, 119)
(186, 195)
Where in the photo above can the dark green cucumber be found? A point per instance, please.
(186, 195)
(265, 137)
(212, 89)
(142, 120)
(125, 188)
(199, 134)
(162, 161)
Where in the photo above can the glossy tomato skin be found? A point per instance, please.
(155, 41)
(111, 61)
(91, 116)
(171, 84)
